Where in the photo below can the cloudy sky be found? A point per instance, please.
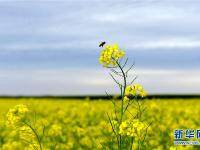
(51, 46)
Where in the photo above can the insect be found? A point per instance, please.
(102, 44)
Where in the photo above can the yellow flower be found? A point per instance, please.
(16, 114)
(11, 145)
(110, 54)
(143, 93)
(172, 148)
(123, 128)
(25, 132)
(126, 99)
(61, 114)
(55, 130)
(138, 87)
(133, 128)
(134, 90)
(80, 131)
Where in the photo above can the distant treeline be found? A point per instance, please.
(103, 97)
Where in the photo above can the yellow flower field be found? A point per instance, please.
(83, 124)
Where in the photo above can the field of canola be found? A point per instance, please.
(84, 125)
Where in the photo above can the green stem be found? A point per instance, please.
(34, 131)
(138, 145)
(122, 101)
(123, 91)
(131, 143)
(139, 110)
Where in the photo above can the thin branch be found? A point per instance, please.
(139, 109)
(115, 106)
(26, 141)
(113, 127)
(117, 73)
(126, 107)
(43, 132)
(130, 113)
(133, 80)
(146, 132)
(125, 63)
(119, 84)
(129, 68)
(108, 94)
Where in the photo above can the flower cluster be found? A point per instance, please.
(16, 114)
(132, 128)
(55, 130)
(25, 132)
(10, 145)
(134, 90)
(110, 54)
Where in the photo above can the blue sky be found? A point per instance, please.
(51, 47)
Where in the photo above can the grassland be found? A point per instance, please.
(83, 124)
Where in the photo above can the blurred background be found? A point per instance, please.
(50, 47)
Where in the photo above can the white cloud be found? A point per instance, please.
(85, 81)
(76, 25)
(88, 45)
(177, 44)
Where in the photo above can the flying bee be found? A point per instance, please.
(102, 44)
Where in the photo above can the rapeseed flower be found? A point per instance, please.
(126, 99)
(61, 114)
(11, 145)
(55, 130)
(172, 148)
(110, 55)
(80, 131)
(134, 90)
(25, 132)
(132, 128)
(16, 114)
(124, 127)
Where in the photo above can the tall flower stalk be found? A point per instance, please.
(128, 131)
